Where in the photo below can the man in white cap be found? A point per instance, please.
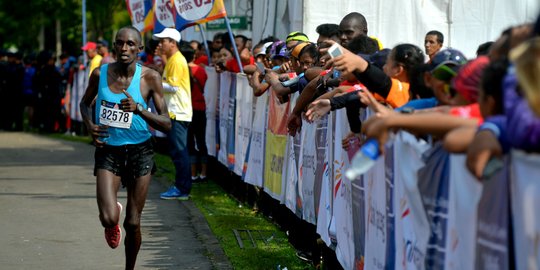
(177, 92)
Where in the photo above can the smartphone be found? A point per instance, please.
(334, 51)
(260, 67)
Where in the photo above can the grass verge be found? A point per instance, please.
(224, 214)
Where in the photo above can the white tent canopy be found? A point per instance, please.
(464, 23)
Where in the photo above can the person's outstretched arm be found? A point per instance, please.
(437, 124)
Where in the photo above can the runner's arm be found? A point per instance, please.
(86, 109)
(161, 120)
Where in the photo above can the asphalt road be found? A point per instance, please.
(49, 216)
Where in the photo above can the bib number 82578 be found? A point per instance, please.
(115, 118)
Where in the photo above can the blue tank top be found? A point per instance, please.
(138, 132)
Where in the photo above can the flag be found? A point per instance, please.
(191, 12)
(140, 12)
(164, 15)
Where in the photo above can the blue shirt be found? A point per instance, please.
(419, 104)
(138, 131)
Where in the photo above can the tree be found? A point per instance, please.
(21, 22)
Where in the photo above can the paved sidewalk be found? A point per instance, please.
(49, 217)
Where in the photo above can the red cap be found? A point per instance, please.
(89, 46)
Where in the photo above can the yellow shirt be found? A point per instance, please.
(176, 74)
(95, 63)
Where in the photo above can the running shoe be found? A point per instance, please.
(113, 235)
(174, 194)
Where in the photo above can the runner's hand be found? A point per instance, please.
(98, 134)
(127, 104)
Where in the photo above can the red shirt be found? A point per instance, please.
(232, 64)
(471, 111)
(197, 88)
(201, 60)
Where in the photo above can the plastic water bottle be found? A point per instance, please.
(292, 81)
(364, 159)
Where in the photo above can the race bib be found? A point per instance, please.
(110, 115)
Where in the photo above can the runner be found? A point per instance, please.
(124, 152)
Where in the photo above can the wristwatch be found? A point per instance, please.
(140, 108)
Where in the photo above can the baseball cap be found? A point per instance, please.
(89, 46)
(279, 49)
(468, 79)
(169, 33)
(103, 43)
(297, 36)
(446, 63)
(297, 49)
(264, 48)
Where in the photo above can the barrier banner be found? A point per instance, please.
(211, 98)
(492, 234)
(376, 219)
(344, 229)
(231, 120)
(292, 195)
(390, 219)
(257, 142)
(191, 12)
(525, 196)
(292, 154)
(141, 14)
(464, 195)
(359, 221)
(324, 208)
(243, 123)
(321, 137)
(308, 164)
(411, 222)
(276, 142)
(341, 227)
(77, 90)
(274, 161)
(434, 187)
(164, 14)
(225, 81)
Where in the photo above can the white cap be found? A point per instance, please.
(264, 47)
(169, 33)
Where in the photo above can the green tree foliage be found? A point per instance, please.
(21, 21)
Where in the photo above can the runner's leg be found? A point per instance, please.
(107, 186)
(136, 198)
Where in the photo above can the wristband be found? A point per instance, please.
(491, 127)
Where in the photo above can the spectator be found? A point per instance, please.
(433, 43)
(103, 50)
(177, 94)
(197, 129)
(46, 83)
(95, 59)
